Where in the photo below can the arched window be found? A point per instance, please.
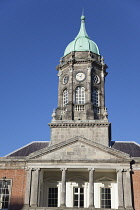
(80, 95)
(95, 97)
(65, 97)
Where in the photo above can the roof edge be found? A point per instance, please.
(24, 147)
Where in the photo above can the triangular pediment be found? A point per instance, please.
(104, 179)
(78, 149)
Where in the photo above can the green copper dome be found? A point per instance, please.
(82, 41)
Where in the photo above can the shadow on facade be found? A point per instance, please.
(132, 187)
(15, 206)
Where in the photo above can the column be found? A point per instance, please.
(34, 187)
(91, 187)
(28, 185)
(127, 190)
(120, 189)
(63, 188)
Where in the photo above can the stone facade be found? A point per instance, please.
(93, 130)
(73, 164)
(87, 118)
(89, 64)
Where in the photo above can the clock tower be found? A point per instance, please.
(81, 110)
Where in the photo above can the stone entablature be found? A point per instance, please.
(9, 163)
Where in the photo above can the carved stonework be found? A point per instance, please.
(90, 124)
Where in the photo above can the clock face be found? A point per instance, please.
(96, 79)
(80, 76)
(65, 79)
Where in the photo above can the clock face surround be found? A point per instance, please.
(80, 76)
(65, 79)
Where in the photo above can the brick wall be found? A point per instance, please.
(136, 189)
(18, 177)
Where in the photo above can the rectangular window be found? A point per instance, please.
(5, 186)
(79, 197)
(52, 197)
(105, 197)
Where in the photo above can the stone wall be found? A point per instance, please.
(99, 131)
(18, 182)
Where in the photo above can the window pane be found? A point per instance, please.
(81, 190)
(52, 197)
(95, 97)
(80, 95)
(4, 192)
(76, 190)
(75, 203)
(81, 203)
(105, 198)
(78, 197)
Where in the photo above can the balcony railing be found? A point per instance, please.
(79, 107)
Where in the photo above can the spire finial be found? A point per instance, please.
(82, 32)
(83, 17)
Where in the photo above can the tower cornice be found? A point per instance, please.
(73, 124)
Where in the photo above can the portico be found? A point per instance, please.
(80, 187)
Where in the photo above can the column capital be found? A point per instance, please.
(119, 170)
(28, 169)
(63, 169)
(35, 169)
(126, 170)
(91, 169)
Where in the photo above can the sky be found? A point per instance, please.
(33, 37)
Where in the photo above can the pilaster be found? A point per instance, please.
(127, 190)
(120, 189)
(28, 186)
(34, 188)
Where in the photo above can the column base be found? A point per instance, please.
(25, 207)
(91, 207)
(34, 205)
(126, 208)
(62, 205)
(121, 208)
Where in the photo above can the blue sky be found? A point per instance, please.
(33, 37)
